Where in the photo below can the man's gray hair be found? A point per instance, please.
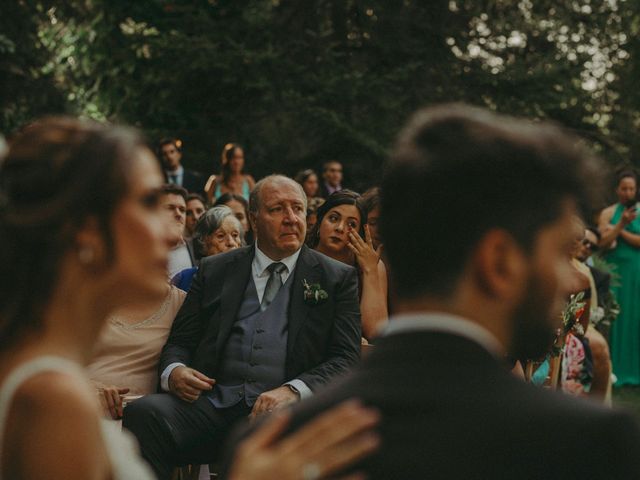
(211, 221)
(255, 199)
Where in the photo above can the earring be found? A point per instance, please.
(86, 255)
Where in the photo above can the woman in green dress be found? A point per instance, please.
(620, 227)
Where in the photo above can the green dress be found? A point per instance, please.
(625, 332)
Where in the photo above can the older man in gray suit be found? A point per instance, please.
(261, 328)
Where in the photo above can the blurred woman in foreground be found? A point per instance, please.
(81, 235)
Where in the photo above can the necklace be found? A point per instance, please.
(151, 319)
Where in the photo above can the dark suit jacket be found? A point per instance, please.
(192, 181)
(324, 192)
(323, 340)
(451, 411)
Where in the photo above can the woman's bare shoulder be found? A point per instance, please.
(54, 426)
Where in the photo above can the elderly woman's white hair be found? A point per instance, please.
(209, 222)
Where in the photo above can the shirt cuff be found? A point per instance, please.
(305, 392)
(164, 377)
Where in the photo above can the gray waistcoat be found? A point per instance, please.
(254, 357)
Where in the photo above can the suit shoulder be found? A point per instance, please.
(214, 261)
(331, 264)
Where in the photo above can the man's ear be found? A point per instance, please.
(252, 221)
(500, 265)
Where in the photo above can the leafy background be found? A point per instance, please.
(299, 82)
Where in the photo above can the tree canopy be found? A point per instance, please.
(298, 83)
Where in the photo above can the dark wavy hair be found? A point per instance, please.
(58, 173)
(626, 172)
(343, 197)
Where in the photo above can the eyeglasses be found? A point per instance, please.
(590, 245)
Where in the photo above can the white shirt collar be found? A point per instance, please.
(445, 323)
(262, 261)
(177, 172)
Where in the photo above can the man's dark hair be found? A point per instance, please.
(171, 188)
(325, 165)
(169, 141)
(458, 172)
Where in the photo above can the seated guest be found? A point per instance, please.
(232, 178)
(597, 345)
(170, 152)
(309, 181)
(331, 178)
(336, 234)
(261, 327)
(240, 208)
(195, 209)
(217, 231)
(371, 205)
(125, 358)
(467, 293)
(589, 246)
(312, 212)
(173, 203)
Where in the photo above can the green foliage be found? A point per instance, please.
(301, 82)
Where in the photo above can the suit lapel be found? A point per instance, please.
(307, 268)
(236, 274)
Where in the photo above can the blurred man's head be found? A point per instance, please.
(491, 200)
(173, 202)
(332, 173)
(170, 153)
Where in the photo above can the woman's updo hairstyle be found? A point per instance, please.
(343, 197)
(58, 173)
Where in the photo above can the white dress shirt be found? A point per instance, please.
(178, 173)
(445, 323)
(260, 274)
